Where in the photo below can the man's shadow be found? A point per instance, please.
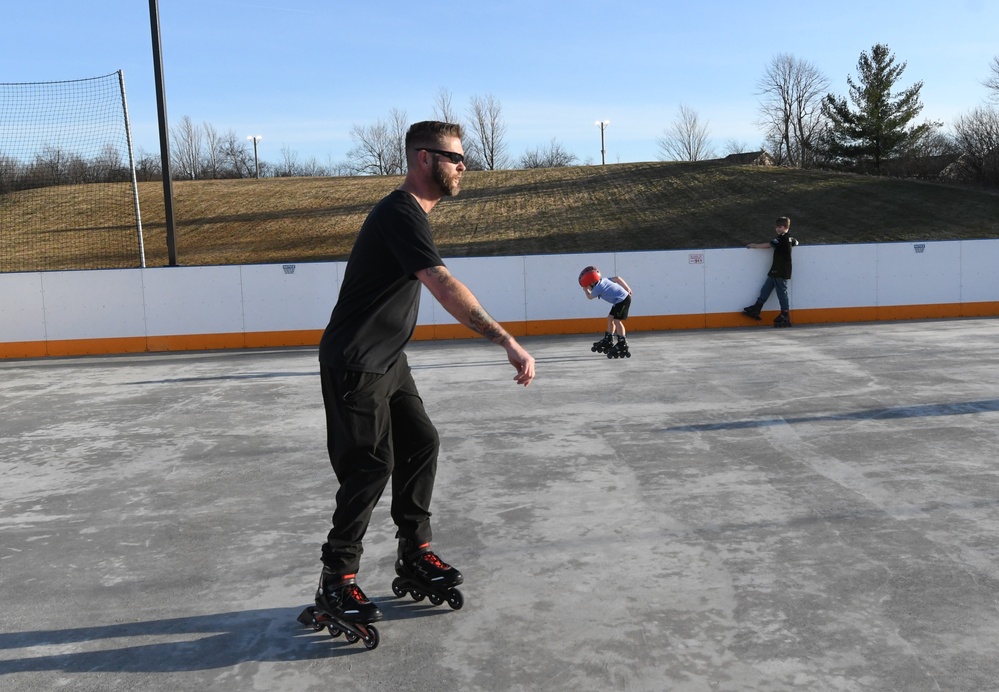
(202, 642)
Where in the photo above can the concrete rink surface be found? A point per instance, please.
(813, 508)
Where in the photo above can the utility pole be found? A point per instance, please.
(603, 149)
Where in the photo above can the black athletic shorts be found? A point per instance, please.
(620, 311)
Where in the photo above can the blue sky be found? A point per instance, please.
(301, 73)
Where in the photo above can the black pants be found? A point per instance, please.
(377, 430)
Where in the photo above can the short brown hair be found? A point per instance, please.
(783, 221)
(431, 133)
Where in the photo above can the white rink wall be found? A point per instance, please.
(242, 305)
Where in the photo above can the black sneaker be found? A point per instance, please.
(421, 564)
(342, 597)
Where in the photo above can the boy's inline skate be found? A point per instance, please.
(783, 319)
(342, 608)
(424, 575)
(620, 349)
(604, 345)
(753, 310)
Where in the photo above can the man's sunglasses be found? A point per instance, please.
(454, 157)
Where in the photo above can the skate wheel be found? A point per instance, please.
(417, 596)
(397, 588)
(627, 355)
(593, 348)
(371, 641)
(351, 637)
(455, 599)
(435, 599)
(334, 631)
(308, 618)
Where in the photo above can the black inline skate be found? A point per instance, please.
(424, 575)
(783, 319)
(342, 608)
(604, 345)
(753, 310)
(620, 349)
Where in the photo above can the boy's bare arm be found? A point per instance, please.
(622, 283)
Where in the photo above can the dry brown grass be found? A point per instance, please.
(636, 206)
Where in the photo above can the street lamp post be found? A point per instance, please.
(602, 124)
(256, 161)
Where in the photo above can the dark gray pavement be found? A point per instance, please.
(814, 508)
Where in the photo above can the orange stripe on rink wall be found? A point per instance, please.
(302, 337)
(981, 309)
(196, 342)
(589, 325)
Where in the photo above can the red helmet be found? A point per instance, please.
(589, 276)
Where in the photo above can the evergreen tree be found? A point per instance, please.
(880, 125)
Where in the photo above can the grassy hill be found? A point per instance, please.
(634, 206)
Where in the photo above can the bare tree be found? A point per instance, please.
(148, 166)
(445, 112)
(686, 139)
(50, 167)
(397, 134)
(237, 155)
(372, 152)
(379, 149)
(108, 166)
(443, 109)
(992, 83)
(289, 163)
(487, 133)
(734, 146)
(977, 138)
(791, 109)
(11, 171)
(553, 156)
(214, 166)
(187, 144)
(339, 168)
(312, 168)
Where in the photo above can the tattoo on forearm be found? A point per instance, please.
(442, 275)
(481, 322)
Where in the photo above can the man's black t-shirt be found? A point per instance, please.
(376, 312)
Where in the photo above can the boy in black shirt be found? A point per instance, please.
(780, 272)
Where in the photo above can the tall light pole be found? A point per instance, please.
(256, 161)
(171, 236)
(602, 124)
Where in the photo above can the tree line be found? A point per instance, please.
(872, 129)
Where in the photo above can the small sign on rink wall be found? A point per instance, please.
(289, 268)
(695, 258)
(919, 248)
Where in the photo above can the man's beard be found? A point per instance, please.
(448, 184)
